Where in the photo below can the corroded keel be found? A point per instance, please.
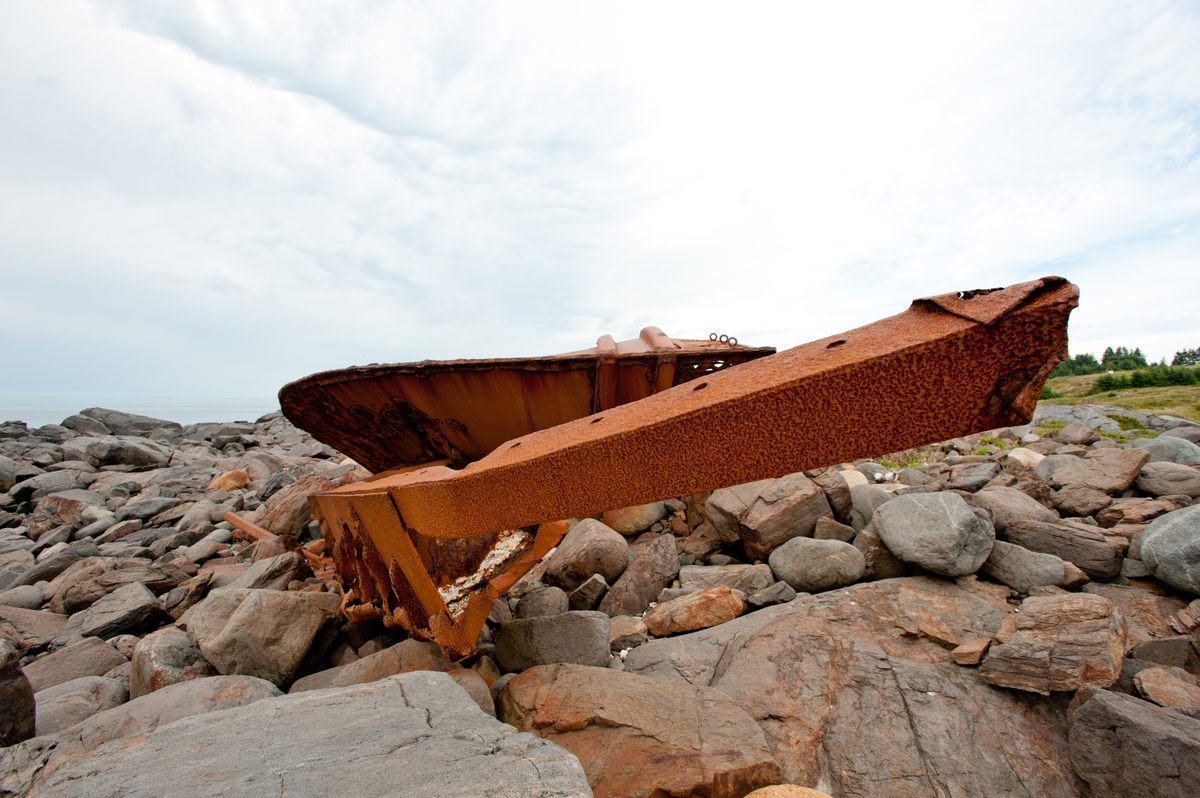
(426, 549)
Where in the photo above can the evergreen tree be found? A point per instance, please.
(1186, 357)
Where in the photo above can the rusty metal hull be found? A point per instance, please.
(404, 414)
(948, 366)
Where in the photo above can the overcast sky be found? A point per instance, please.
(209, 199)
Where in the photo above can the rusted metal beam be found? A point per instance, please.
(427, 549)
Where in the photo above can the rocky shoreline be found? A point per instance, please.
(1011, 613)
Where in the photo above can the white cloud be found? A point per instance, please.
(212, 199)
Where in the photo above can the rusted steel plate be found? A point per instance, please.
(398, 415)
(948, 366)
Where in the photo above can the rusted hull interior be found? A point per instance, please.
(948, 366)
(393, 416)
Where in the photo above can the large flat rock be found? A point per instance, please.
(858, 694)
(417, 734)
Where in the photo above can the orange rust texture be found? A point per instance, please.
(404, 414)
(948, 366)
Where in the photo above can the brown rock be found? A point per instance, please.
(1169, 687)
(64, 508)
(405, 656)
(627, 631)
(1072, 541)
(637, 736)
(787, 791)
(1147, 615)
(1079, 500)
(631, 520)
(828, 529)
(230, 481)
(1058, 643)
(766, 513)
(30, 629)
(746, 578)
(18, 720)
(89, 657)
(696, 610)
(1139, 511)
(971, 652)
(704, 540)
(1108, 470)
(476, 687)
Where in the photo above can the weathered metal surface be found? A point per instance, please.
(404, 414)
(948, 366)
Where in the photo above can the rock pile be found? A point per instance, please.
(1015, 612)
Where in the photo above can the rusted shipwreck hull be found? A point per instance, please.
(428, 548)
(456, 411)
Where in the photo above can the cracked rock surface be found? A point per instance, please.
(416, 734)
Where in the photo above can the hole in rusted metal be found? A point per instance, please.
(838, 342)
(515, 445)
(977, 292)
(597, 420)
(700, 386)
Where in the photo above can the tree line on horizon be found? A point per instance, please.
(1120, 358)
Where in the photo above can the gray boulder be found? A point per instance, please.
(1169, 479)
(1023, 570)
(418, 734)
(405, 656)
(1009, 504)
(68, 703)
(1171, 549)
(121, 423)
(588, 548)
(139, 453)
(1123, 746)
(653, 569)
(542, 602)
(273, 573)
(581, 638)
(130, 608)
(1169, 449)
(163, 658)
(810, 565)
(936, 531)
(263, 633)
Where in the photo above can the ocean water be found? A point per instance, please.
(36, 410)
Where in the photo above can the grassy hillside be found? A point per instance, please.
(1175, 400)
